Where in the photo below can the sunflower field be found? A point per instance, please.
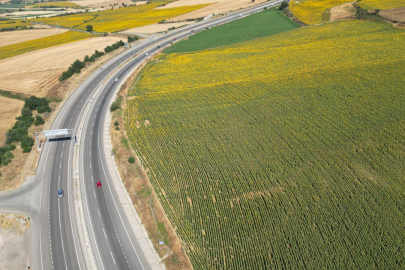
(41, 43)
(381, 4)
(285, 152)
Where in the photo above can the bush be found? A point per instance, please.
(116, 104)
(132, 38)
(116, 123)
(43, 109)
(283, 6)
(131, 160)
(26, 143)
(39, 120)
(89, 27)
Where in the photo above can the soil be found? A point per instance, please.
(219, 6)
(142, 194)
(9, 110)
(12, 37)
(14, 242)
(105, 3)
(37, 72)
(345, 11)
(155, 28)
(396, 14)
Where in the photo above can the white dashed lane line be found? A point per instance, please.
(112, 257)
(105, 235)
(94, 194)
(98, 212)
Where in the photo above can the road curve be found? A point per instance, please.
(114, 245)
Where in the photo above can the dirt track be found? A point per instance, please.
(35, 73)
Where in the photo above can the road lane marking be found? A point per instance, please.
(112, 257)
(98, 212)
(104, 234)
(60, 165)
(92, 179)
(61, 237)
(94, 194)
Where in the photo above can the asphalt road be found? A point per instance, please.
(56, 246)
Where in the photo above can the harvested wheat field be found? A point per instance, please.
(218, 6)
(13, 37)
(36, 72)
(9, 110)
(345, 11)
(155, 28)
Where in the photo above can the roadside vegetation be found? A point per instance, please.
(13, 25)
(120, 19)
(41, 43)
(269, 22)
(19, 132)
(56, 5)
(281, 152)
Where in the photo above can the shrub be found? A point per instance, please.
(39, 120)
(283, 6)
(131, 160)
(116, 123)
(43, 109)
(89, 27)
(26, 143)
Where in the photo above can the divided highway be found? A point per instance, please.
(113, 242)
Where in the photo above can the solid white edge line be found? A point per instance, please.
(60, 228)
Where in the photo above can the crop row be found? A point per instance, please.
(284, 152)
(41, 43)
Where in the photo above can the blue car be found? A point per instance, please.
(60, 193)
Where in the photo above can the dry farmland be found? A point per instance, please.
(9, 110)
(219, 6)
(36, 72)
(13, 37)
(285, 152)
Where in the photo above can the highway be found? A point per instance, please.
(113, 242)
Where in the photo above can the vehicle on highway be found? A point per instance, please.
(158, 46)
(101, 68)
(146, 53)
(99, 184)
(116, 79)
(60, 193)
(91, 100)
(174, 39)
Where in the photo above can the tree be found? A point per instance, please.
(283, 6)
(89, 28)
(39, 120)
(131, 160)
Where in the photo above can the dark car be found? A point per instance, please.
(99, 184)
(60, 193)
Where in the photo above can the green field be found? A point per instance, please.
(285, 152)
(261, 24)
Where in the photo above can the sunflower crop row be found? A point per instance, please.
(41, 43)
(120, 19)
(285, 152)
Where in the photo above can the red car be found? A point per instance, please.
(99, 184)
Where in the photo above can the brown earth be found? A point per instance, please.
(396, 14)
(218, 6)
(9, 109)
(14, 242)
(154, 28)
(142, 194)
(345, 11)
(35, 73)
(12, 37)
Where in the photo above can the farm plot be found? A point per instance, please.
(13, 37)
(41, 43)
(314, 11)
(286, 152)
(264, 23)
(120, 19)
(35, 73)
(381, 4)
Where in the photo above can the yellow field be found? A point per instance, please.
(41, 43)
(285, 152)
(13, 23)
(310, 11)
(120, 19)
(381, 4)
(57, 4)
